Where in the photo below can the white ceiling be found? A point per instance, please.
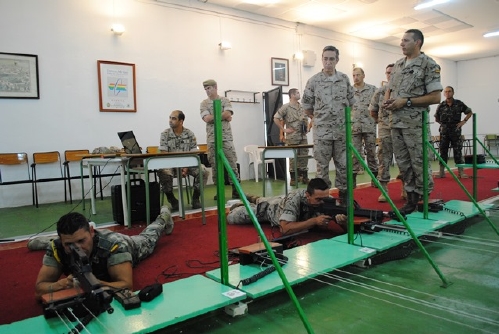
(453, 30)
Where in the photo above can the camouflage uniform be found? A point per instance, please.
(294, 117)
(128, 249)
(385, 149)
(449, 116)
(328, 96)
(364, 128)
(227, 140)
(416, 78)
(292, 208)
(170, 142)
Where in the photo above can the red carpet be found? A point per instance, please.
(193, 247)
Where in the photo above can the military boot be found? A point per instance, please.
(461, 173)
(173, 201)
(441, 172)
(292, 181)
(381, 197)
(196, 203)
(235, 194)
(412, 203)
(304, 177)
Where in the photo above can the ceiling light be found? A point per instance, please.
(118, 29)
(429, 4)
(225, 45)
(491, 34)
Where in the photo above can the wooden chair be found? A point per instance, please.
(44, 158)
(9, 162)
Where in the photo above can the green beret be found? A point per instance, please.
(209, 82)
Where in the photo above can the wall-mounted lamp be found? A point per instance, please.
(118, 29)
(298, 55)
(225, 45)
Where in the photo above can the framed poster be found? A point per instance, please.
(279, 68)
(116, 86)
(19, 76)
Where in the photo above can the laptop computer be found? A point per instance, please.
(129, 142)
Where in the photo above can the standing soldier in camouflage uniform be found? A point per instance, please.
(110, 254)
(363, 125)
(207, 115)
(293, 116)
(325, 97)
(385, 149)
(448, 115)
(292, 213)
(414, 85)
(179, 139)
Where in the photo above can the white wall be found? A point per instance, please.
(175, 48)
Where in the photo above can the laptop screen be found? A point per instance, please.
(129, 142)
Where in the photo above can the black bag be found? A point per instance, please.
(138, 192)
(480, 159)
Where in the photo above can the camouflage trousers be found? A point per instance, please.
(145, 242)
(265, 210)
(385, 157)
(324, 150)
(451, 134)
(408, 149)
(302, 153)
(166, 176)
(369, 140)
(230, 154)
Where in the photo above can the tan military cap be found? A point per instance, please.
(209, 82)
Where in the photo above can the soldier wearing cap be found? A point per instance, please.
(207, 115)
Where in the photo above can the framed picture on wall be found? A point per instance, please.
(19, 76)
(280, 71)
(116, 86)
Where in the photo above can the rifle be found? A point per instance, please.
(85, 301)
(330, 208)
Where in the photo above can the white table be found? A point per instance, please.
(276, 152)
(175, 160)
(105, 161)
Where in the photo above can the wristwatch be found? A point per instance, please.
(409, 102)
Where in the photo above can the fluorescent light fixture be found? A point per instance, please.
(429, 4)
(118, 29)
(225, 45)
(491, 34)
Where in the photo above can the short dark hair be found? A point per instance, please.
(292, 91)
(181, 115)
(316, 184)
(389, 65)
(417, 34)
(331, 48)
(72, 222)
(450, 88)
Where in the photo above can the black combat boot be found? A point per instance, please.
(173, 201)
(304, 176)
(235, 194)
(196, 203)
(412, 203)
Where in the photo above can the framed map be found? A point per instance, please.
(19, 76)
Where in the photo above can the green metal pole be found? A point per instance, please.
(349, 146)
(425, 142)
(222, 227)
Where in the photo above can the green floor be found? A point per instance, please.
(393, 297)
